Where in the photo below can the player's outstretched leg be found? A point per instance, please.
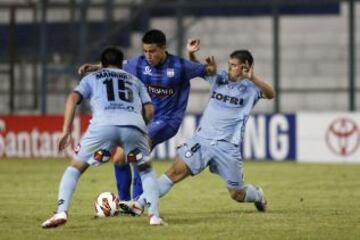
(249, 193)
(67, 187)
(123, 181)
(137, 184)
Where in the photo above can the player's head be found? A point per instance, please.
(154, 46)
(239, 60)
(112, 56)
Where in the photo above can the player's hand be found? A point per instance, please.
(64, 141)
(85, 68)
(193, 45)
(211, 66)
(248, 72)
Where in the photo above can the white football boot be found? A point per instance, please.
(131, 207)
(261, 205)
(57, 220)
(157, 221)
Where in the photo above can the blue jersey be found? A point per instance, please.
(167, 84)
(116, 98)
(228, 108)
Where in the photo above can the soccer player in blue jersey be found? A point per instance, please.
(217, 141)
(167, 78)
(121, 106)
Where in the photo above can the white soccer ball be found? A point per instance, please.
(106, 205)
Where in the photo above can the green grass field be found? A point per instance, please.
(305, 202)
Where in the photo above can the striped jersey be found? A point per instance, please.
(168, 84)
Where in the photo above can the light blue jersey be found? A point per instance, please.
(228, 108)
(116, 98)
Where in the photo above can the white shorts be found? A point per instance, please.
(96, 145)
(223, 158)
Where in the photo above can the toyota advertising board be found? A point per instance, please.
(328, 137)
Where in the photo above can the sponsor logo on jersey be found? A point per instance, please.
(160, 91)
(170, 72)
(227, 99)
(147, 70)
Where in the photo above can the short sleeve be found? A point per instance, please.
(258, 94)
(218, 78)
(193, 70)
(130, 65)
(144, 95)
(84, 87)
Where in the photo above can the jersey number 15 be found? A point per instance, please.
(124, 90)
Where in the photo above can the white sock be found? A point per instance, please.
(67, 187)
(252, 194)
(164, 184)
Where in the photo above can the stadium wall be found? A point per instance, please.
(303, 137)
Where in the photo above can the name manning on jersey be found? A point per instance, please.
(226, 98)
(108, 74)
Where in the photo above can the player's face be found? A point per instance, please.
(154, 54)
(236, 68)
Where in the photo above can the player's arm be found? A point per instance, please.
(192, 46)
(267, 90)
(148, 112)
(73, 99)
(88, 67)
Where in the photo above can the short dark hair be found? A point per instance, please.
(243, 55)
(154, 36)
(112, 56)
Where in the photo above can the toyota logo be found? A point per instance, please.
(343, 137)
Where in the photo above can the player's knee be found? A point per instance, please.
(119, 157)
(79, 165)
(238, 195)
(144, 166)
(178, 171)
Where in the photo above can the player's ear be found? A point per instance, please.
(163, 47)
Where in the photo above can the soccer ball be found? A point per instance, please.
(106, 205)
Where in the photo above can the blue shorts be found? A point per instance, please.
(98, 142)
(223, 158)
(160, 131)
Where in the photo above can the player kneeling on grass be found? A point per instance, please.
(216, 143)
(118, 101)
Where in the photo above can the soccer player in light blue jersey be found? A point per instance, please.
(167, 78)
(121, 106)
(216, 142)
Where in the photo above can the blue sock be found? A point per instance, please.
(137, 185)
(164, 185)
(252, 194)
(67, 187)
(151, 191)
(123, 181)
